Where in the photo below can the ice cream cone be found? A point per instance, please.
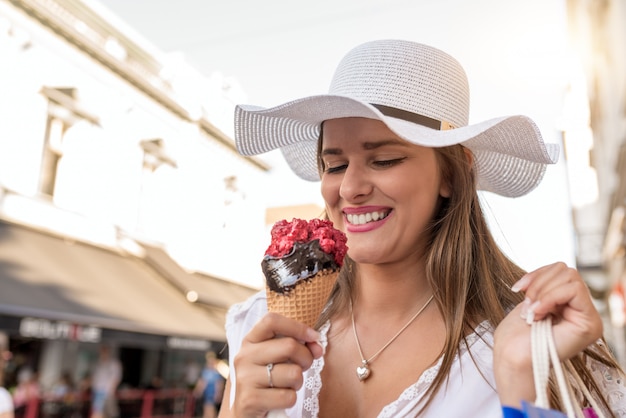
(306, 301)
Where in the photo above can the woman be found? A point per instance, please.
(210, 386)
(428, 317)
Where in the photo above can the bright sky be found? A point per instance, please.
(514, 53)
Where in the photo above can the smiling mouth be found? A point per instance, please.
(363, 218)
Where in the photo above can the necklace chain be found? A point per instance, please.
(363, 371)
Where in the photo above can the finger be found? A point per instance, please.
(568, 296)
(255, 396)
(574, 293)
(550, 281)
(524, 281)
(317, 349)
(577, 322)
(284, 350)
(273, 325)
(252, 361)
(540, 277)
(259, 401)
(283, 376)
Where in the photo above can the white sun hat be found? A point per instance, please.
(422, 95)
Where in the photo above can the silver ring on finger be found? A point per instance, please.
(269, 368)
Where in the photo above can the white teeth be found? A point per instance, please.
(363, 218)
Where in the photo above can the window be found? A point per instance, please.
(63, 111)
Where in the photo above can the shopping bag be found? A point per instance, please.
(544, 356)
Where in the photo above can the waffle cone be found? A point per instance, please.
(306, 300)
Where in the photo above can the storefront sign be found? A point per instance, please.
(59, 330)
(188, 344)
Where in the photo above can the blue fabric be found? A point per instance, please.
(99, 397)
(211, 377)
(531, 411)
(510, 412)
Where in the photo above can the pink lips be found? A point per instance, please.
(370, 226)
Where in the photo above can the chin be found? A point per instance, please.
(365, 256)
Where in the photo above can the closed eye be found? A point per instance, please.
(337, 169)
(389, 163)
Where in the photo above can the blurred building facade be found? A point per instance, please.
(119, 190)
(597, 31)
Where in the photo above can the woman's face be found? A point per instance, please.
(380, 190)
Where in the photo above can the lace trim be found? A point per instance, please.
(413, 392)
(313, 379)
(612, 384)
(417, 390)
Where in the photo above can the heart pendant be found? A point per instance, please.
(363, 372)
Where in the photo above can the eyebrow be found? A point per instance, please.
(366, 146)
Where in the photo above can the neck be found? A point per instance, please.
(390, 290)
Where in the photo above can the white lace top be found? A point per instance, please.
(469, 392)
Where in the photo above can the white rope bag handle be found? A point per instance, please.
(543, 355)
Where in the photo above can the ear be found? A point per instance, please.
(444, 189)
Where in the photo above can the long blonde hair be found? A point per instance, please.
(468, 273)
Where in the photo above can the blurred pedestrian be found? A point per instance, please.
(6, 402)
(62, 389)
(61, 397)
(192, 373)
(27, 390)
(84, 395)
(106, 377)
(210, 387)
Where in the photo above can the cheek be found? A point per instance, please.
(421, 189)
(330, 192)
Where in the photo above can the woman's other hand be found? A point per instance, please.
(555, 290)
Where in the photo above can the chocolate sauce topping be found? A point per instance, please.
(304, 261)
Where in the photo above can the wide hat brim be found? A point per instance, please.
(510, 156)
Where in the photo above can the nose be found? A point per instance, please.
(355, 184)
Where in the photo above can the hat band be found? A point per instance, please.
(440, 125)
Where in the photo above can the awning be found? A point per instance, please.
(47, 276)
(197, 287)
